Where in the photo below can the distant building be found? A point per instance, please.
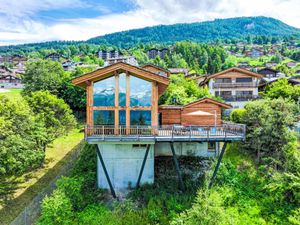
(153, 52)
(54, 57)
(235, 86)
(69, 65)
(15, 59)
(179, 71)
(156, 69)
(8, 78)
(269, 76)
(125, 59)
(105, 55)
(254, 53)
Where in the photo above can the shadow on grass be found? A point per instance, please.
(12, 207)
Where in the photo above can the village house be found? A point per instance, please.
(9, 79)
(54, 57)
(235, 86)
(183, 71)
(125, 59)
(269, 76)
(129, 128)
(254, 53)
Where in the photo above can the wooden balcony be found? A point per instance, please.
(235, 85)
(165, 133)
(239, 98)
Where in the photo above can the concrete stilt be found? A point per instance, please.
(143, 165)
(218, 165)
(181, 185)
(106, 174)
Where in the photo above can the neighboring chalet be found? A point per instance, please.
(153, 52)
(129, 128)
(235, 85)
(295, 80)
(156, 69)
(125, 59)
(254, 53)
(54, 57)
(179, 71)
(269, 76)
(14, 59)
(8, 78)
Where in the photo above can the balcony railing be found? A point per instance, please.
(239, 98)
(235, 85)
(225, 131)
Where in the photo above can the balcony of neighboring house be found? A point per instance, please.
(239, 96)
(243, 82)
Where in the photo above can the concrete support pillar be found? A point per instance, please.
(123, 163)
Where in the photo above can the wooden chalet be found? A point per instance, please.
(121, 99)
(129, 129)
(234, 85)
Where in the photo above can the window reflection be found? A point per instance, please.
(122, 118)
(140, 92)
(104, 117)
(140, 117)
(122, 89)
(104, 92)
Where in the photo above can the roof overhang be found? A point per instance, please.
(109, 71)
(235, 69)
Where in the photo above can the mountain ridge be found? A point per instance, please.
(207, 31)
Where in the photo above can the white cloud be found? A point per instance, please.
(22, 27)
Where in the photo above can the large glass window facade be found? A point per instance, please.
(122, 89)
(104, 92)
(104, 117)
(140, 117)
(140, 92)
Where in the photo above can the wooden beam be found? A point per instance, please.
(116, 102)
(154, 111)
(89, 104)
(127, 102)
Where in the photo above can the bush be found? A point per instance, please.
(57, 210)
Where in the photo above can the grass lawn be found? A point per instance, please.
(17, 191)
(12, 93)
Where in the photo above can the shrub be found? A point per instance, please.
(57, 210)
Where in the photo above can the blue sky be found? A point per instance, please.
(25, 21)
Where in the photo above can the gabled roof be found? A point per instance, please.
(272, 70)
(235, 69)
(155, 66)
(209, 100)
(201, 100)
(108, 71)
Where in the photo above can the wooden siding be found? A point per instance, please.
(170, 116)
(207, 120)
(179, 115)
